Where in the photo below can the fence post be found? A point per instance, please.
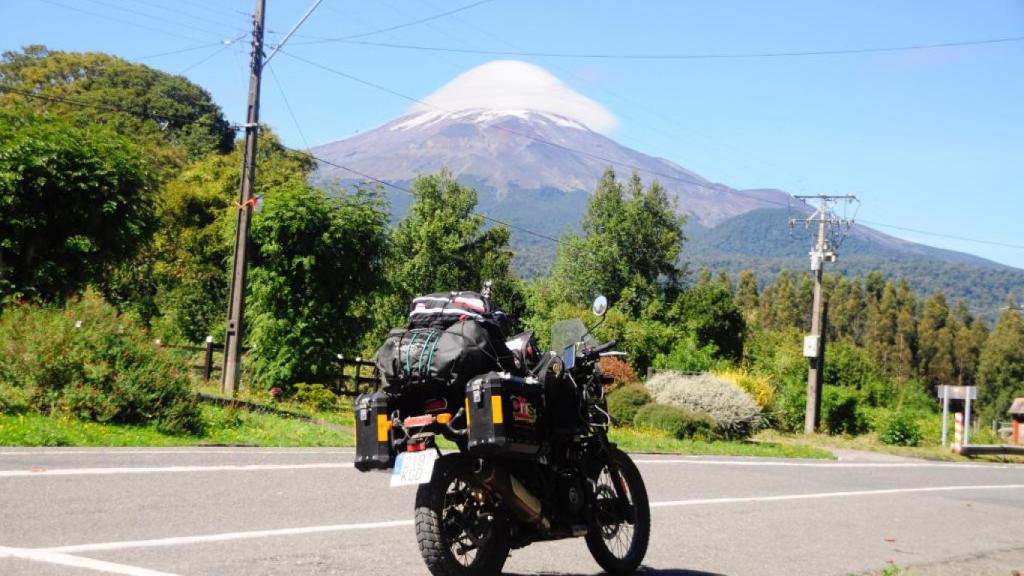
(208, 362)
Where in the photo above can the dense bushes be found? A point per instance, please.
(900, 429)
(734, 412)
(624, 403)
(315, 396)
(618, 372)
(677, 422)
(104, 370)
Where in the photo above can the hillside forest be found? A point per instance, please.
(118, 200)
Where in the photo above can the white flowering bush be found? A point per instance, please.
(735, 413)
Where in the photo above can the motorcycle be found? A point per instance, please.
(533, 460)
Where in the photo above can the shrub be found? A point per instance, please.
(734, 412)
(789, 408)
(688, 355)
(900, 429)
(619, 372)
(841, 411)
(315, 396)
(759, 387)
(677, 422)
(106, 370)
(624, 402)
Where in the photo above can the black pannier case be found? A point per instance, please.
(373, 432)
(505, 415)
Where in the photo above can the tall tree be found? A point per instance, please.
(935, 340)
(316, 262)
(74, 202)
(1001, 367)
(631, 241)
(442, 245)
(144, 104)
(189, 258)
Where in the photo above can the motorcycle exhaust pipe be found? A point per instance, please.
(523, 504)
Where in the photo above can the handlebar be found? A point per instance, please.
(597, 350)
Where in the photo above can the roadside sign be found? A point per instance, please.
(957, 392)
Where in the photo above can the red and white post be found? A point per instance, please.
(958, 431)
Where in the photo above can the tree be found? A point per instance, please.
(709, 311)
(935, 340)
(316, 262)
(189, 258)
(967, 344)
(442, 245)
(632, 237)
(74, 202)
(144, 104)
(1001, 367)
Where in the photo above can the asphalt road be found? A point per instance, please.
(251, 511)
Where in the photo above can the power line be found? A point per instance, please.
(226, 44)
(398, 26)
(184, 13)
(678, 56)
(292, 31)
(214, 9)
(99, 106)
(288, 105)
(949, 236)
(181, 51)
(121, 21)
(167, 117)
(158, 18)
(737, 158)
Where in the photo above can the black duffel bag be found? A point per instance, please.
(432, 358)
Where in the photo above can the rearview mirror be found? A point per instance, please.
(600, 306)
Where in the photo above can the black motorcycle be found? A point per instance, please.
(532, 459)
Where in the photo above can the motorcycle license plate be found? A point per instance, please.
(413, 468)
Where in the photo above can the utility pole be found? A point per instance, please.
(236, 301)
(824, 251)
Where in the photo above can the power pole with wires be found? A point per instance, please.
(236, 300)
(831, 230)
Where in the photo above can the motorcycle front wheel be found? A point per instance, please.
(459, 529)
(621, 527)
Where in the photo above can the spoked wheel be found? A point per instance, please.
(459, 530)
(621, 529)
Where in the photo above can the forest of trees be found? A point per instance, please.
(120, 181)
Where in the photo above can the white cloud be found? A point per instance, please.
(511, 85)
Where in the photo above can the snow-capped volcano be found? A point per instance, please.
(512, 128)
(510, 87)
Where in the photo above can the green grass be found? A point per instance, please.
(342, 416)
(870, 443)
(223, 426)
(632, 440)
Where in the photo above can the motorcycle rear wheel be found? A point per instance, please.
(459, 530)
(621, 530)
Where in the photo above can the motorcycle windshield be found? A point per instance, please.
(565, 333)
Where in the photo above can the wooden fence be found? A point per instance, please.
(350, 376)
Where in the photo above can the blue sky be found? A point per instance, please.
(930, 140)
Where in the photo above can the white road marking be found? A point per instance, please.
(170, 451)
(51, 557)
(826, 464)
(44, 472)
(228, 536)
(817, 495)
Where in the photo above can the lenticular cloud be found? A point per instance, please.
(511, 85)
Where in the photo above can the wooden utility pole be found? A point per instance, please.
(236, 301)
(814, 344)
